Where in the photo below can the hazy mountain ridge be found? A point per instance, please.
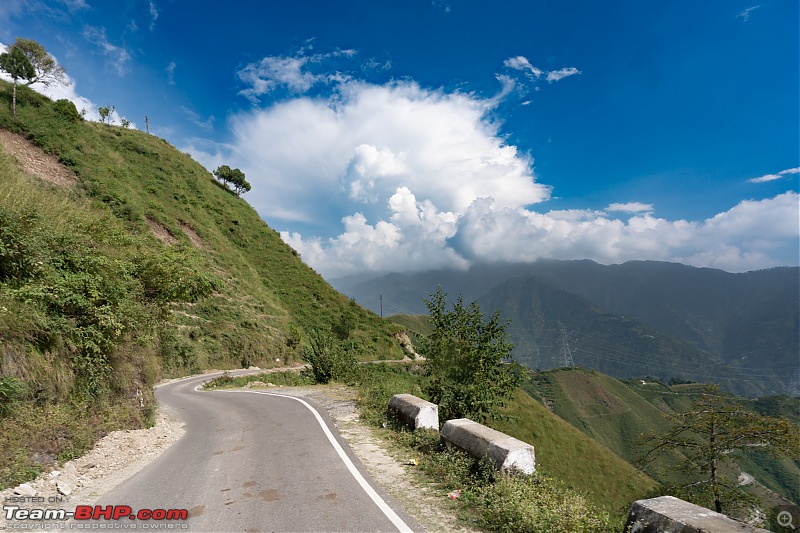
(745, 325)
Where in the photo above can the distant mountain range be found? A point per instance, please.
(635, 319)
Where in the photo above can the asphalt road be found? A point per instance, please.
(256, 461)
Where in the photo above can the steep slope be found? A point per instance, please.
(566, 453)
(137, 264)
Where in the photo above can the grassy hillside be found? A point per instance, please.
(417, 324)
(140, 265)
(563, 452)
(617, 413)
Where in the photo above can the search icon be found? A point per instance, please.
(785, 519)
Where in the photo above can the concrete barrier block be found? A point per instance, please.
(480, 441)
(415, 412)
(668, 514)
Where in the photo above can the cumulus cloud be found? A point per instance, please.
(772, 177)
(398, 177)
(316, 160)
(753, 234)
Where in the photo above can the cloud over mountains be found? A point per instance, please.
(396, 176)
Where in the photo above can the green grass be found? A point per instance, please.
(418, 324)
(286, 378)
(565, 453)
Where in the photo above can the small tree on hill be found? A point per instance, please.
(466, 360)
(47, 71)
(709, 435)
(105, 113)
(234, 177)
(18, 66)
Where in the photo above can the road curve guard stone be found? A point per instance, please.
(667, 514)
(480, 441)
(415, 412)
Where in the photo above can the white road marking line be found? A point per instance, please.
(382, 505)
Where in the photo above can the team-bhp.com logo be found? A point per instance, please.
(89, 517)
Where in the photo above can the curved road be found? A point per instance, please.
(256, 461)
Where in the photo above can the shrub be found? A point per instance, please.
(466, 356)
(328, 359)
(520, 503)
(67, 109)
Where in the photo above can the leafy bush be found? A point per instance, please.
(466, 360)
(67, 109)
(328, 359)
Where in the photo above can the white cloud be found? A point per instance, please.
(206, 124)
(153, 15)
(400, 177)
(745, 15)
(631, 207)
(751, 235)
(292, 72)
(555, 75)
(75, 5)
(522, 63)
(171, 72)
(118, 55)
(316, 161)
(772, 177)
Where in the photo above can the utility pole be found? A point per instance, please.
(147, 124)
(381, 305)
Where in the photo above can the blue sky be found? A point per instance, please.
(389, 135)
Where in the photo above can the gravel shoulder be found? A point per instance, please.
(121, 454)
